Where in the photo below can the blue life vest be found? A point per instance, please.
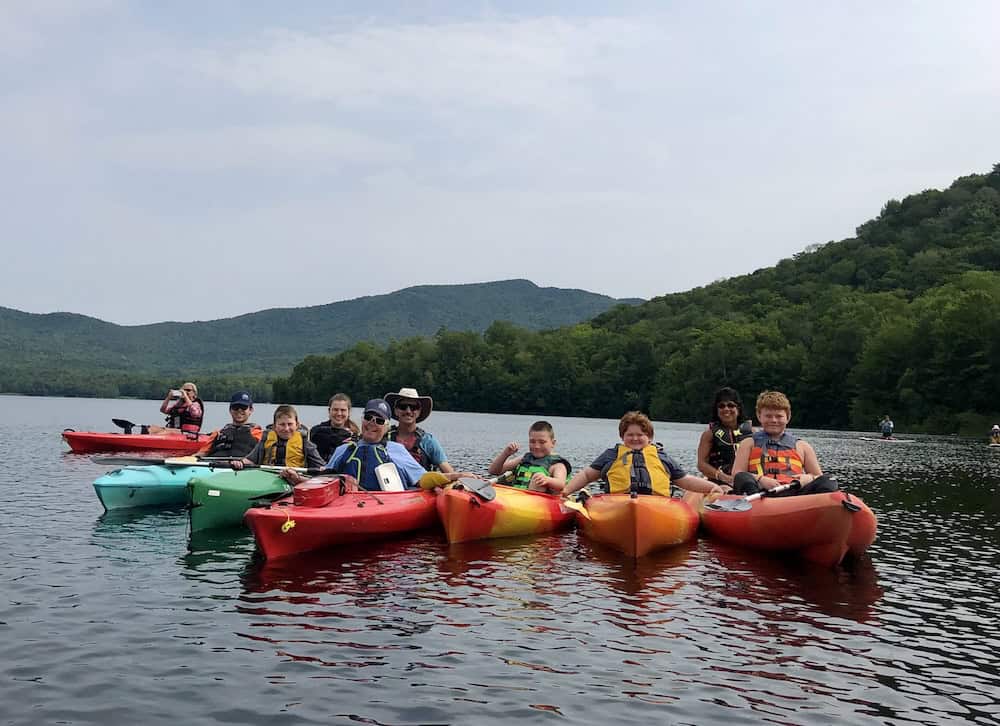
(360, 461)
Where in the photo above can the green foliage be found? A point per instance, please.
(67, 354)
(901, 319)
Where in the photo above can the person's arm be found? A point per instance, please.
(697, 484)
(435, 454)
(704, 449)
(251, 459)
(554, 483)
(810, 462)
(502, 461)
(313, 459)
(166, 400)
(742, 456)
(586, 475)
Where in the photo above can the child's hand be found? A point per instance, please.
(511, 448)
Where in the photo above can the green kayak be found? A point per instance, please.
(221, 499)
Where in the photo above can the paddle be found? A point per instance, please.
(480, 487)
(744, 503)
(213, 463)
(576, 506)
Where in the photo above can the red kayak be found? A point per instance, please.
(89, 442)
(821, 528)
(321, 513)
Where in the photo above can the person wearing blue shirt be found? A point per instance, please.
(359, 459)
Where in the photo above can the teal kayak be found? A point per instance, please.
(145, 486)
(220, 499)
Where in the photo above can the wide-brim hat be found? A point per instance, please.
(426, 402)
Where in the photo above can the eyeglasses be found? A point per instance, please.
(189, 390)
(408, 406)
(727, 405)
(375, 418)
(239, 407)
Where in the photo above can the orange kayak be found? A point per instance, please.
(821, 528)
(512, 513)
(89, 442)
(637, 525)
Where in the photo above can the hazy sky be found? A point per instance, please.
(195, 160)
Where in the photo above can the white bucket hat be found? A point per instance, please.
(426, 402)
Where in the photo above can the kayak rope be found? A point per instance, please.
(289, 523)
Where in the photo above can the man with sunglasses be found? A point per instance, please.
(237, 439)
(410, 408)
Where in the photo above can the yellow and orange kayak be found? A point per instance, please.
(637, 525)
(821, 528)
(513, 512)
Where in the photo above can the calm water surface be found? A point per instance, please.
(120, 619)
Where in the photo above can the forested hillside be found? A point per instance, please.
(901, 319)
(64, 353)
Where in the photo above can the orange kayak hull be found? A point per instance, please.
(637, 525)
(821, 528)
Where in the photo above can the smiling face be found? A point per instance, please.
(371, 430)
(728, 413)
(285, 426)
(773, 420)
(240, 413)
(407, 410)
(541, 443)
(635, 437)
(339, 413)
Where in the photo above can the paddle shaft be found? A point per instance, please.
(215, 463)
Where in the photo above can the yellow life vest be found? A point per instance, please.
(630, 464)
(295, 454)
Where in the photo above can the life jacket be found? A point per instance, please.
(640, 469)
(529, 466)
(415, 451)
(724, 444)
(235, 440)
(328, 437)
(360, 460)
(775, 459)
(886, 427)
(185, 421)
(284, 453)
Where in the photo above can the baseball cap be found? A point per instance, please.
(379, 406)
(241, 398)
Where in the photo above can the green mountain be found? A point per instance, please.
(65, 353)
(903, 318)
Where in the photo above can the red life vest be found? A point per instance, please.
(775, 459)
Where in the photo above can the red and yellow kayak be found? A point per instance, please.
(821, 528)
(90, 442)
(514, 512)
(304, 522)
(637, 525)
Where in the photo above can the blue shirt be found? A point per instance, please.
(409, 470)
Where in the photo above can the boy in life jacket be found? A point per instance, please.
(773, 456)
(541, 469)
(239, 437)
(638, 465)
(283, 445)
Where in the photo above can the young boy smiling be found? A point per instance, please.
(540, 470)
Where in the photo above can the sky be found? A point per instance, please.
(198, 160)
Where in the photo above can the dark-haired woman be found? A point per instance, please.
(718, 443)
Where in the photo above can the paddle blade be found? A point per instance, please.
(576, 507)
(123, 423)
(729, 505)
(480, 487)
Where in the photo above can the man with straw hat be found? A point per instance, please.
(409, 408)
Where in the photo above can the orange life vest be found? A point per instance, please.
(775, 459)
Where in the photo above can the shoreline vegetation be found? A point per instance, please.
(903, 318)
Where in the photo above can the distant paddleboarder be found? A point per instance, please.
(886, 426)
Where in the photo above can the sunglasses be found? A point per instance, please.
(239, 407)
(189, 390)
(375, 418)
(727, 405)
(408, 406)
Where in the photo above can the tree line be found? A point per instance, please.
(900, 319)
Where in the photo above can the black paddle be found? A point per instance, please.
(744, 503)
(480, 487)
(124, 423)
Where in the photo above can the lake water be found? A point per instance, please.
(120, 620)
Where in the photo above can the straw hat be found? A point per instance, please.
(426, 402)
